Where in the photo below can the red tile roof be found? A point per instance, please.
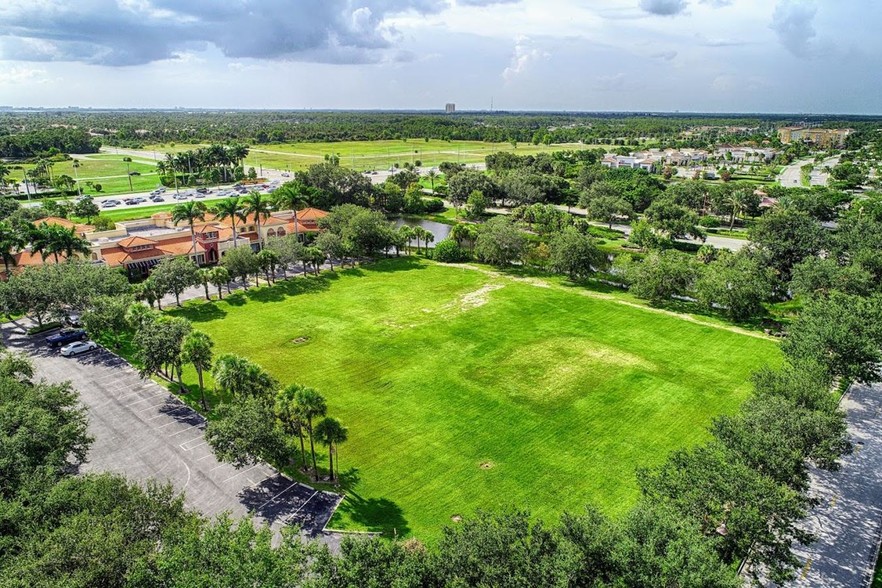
(136, 242)
(310, 214)
(63, 222)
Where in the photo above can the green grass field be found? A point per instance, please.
(464, 388)
(108, 170)
(364, 155)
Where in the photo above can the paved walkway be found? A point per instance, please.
(143, 432)
(848, 519)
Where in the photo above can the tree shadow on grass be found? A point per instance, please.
(394, 264)
(293, 287)
(236, 298)
(202, 312)
(379, 515)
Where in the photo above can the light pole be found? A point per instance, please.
(76, 167)
(128, 160)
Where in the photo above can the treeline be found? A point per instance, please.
(131, 128)
(46, 141)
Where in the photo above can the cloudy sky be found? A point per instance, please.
(819, 56)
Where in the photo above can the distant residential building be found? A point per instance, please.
(821, 137)
(634, 161)
(450, 108)
(739, 154)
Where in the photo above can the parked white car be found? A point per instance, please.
(78, 347)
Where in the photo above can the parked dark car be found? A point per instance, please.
(65, 336)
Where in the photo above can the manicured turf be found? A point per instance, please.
(108, 170)
(364, 155)
(464, 389)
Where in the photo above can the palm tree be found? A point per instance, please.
(290, 196)
(258, 205)
(171, 164)
(219, 277)
(196, 349)
(10, 242)
(286, 410)
(237, 153)
(53, 239)
(330, 432)
(190, 212)
(310, 405)
(267, 261)
(432, 174)
(428, 237)
(419, 233)
(737, 199)
(205, 278)
(230, 208)
(230, 374)
(76, 166)
(406, 232)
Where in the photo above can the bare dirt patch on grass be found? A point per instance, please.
(559, 369)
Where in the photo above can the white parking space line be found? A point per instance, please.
(291, 516)
(192, 447)
(140, 392)
(273, 499)
(131, 404)
(190, 428)
(173, 422)
(168, 413)
(149, 408)
(237, 474)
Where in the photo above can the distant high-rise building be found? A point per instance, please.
(450, 108)
(822, 137)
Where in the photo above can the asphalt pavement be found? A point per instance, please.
(791, 176)
(847, 521)
(144, 432)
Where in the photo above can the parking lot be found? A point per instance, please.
(143, 432)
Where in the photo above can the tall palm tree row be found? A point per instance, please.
(190, 212)
(53, 240)
(292, 195)
(309, 406)
(215, 162)
(230, 208)
(259, 205)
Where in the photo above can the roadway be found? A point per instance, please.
(791, 176)
(847, 520)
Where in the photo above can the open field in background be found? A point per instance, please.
(464, 388)
(107, 170)
(364, 155)
(124, 214)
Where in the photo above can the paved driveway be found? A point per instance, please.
(143, 432)
(848, 518)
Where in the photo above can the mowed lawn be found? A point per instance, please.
(464, 389)
(108, 170)
(373, 155)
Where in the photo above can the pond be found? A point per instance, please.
(440, 230)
